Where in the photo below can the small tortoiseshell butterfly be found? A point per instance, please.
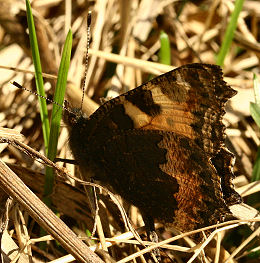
(161, 147)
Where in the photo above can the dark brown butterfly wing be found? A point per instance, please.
(165, 175)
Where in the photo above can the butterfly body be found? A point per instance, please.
(161, 147)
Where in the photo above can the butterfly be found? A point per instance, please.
(161, 147)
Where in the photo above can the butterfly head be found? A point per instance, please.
(72, 116)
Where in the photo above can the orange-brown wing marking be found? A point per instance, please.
(191, 100)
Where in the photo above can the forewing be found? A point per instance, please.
(188, 101)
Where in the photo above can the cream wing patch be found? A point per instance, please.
(139, 118)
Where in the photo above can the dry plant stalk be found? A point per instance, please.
(14, 186)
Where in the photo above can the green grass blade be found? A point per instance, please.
(256, 169)
(38, 75)
(165, 50)
(229, 33)
(257, 90)
(57, 115)
(255, 107)
(59, 96)
(255, 112)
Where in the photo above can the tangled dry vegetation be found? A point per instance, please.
(130, 29)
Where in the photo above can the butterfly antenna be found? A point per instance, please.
(86, 58)
(34, 93)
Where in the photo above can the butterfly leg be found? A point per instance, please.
(65, 161)
(151, 233)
